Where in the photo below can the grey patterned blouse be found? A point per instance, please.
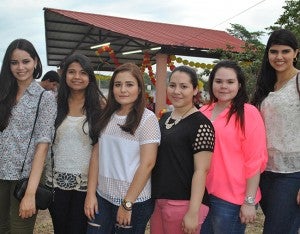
(15, 138)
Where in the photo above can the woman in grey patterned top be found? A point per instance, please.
(19, 96)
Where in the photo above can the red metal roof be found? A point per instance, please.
(69, 31)
(160, 33)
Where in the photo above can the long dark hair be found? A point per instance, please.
(135, 115)
(8, 83)
(237, 104)
(93, 96)
(267, 75)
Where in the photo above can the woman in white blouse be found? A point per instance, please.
(119, 188)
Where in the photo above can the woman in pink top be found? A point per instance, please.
(239, 155)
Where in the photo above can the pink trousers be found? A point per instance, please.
(168, 214)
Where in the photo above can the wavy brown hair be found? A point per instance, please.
(135, 115)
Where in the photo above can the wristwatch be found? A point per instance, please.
(127, 205)
(249, 200)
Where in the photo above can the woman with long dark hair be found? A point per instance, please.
(80, 104)
(240, 152)
(23, 146)
(277, 96)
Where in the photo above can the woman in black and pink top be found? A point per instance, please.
(184, 154)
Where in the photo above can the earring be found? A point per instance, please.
(295, 59)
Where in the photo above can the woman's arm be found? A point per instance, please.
(248, 210)
(27, 205)
(148, 154)
(201, 166)
(91, 203)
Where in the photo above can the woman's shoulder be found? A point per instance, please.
(251, 109)
(149, 114)
(252, 115)
(206, 107)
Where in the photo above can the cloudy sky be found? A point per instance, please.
(25, 18)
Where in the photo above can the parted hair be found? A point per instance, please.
(237, 104)
(93, 96)
(135, 115)
(8, 83)
(267, 76)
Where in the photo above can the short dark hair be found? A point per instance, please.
(52, 76)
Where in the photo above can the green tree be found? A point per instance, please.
(250, 58)
(290, 19)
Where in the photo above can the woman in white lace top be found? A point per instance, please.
(79, 108)
(278, 98)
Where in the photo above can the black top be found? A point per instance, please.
(174, 169)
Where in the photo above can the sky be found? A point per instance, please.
(25, 18)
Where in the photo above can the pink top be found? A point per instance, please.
(237, 156)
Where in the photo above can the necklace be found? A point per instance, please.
(175, 121)
(279, 84)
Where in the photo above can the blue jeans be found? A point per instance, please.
(279, 192)
(223, 218)
(67, 212)
(105, 222)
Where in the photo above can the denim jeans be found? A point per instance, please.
(105, 222)
(67, 212)
(223, 218)
(279, 192)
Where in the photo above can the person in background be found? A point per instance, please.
(184, 154)
(50, 81)
(79, 107)
(278, 98)
(19, 97)
(240, 153)
(119, 187)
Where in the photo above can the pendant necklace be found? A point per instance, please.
(175, 121)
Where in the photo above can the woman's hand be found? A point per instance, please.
(190, 222)
(27, 206)
(247, 213)
(91, 206)
(123, 217)
(298, 197)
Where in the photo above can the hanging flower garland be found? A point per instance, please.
(190, 63)
(147, 64)
(111, 52)
(170, 64)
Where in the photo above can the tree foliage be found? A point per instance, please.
(250, 58)
(290, 19)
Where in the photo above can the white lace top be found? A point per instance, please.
(281, 113)
(72, 150)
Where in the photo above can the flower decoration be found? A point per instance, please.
(161, 112)
(147, 64)
(170, 62)
(112, 54)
